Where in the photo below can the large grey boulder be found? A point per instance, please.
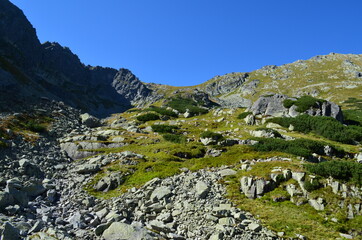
(30, 169)
(14, 187)
(6, 199)
(160, 193)
(201, 189)
(10, 232)
(270, 106)
(90, 121)
(110, 182)
(123, 231)
(317, 204)
(87, 168)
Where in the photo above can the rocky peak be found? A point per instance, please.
(17, 36)
(224, 84)
(129, 86)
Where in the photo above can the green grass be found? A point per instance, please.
(244, 115)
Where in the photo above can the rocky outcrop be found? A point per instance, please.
(272, 106)
(224, 84)
(130, 87)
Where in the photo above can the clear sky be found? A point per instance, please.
(186, 42)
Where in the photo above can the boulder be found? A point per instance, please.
(87, 168)
(10, 232)
(160, 193)
(226, 172)
(90, 121)
(109, 182)
(250, 119)
(119, 230)
(201, 189)
(317, 204)
(6, 199)
(30, 169)
(253, 188)
(207, 141)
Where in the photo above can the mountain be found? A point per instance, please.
(30, 70)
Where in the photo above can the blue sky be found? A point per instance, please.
(186, 42)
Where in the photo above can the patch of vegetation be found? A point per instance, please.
(162, 111)
(214, 136)
(287, 103)
(163, 128)
(174, 138)
(303, 103)
(354, 103)
(35, 126)
(312, 185)
(342, 170)
(353, 117)
(195, 151)
(183, 104)
(298, 147)
(148, 117)
(327, 127)
(244, 115)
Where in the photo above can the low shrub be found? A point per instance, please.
(174, 138)
(327, 127)
(162, 111)
(343, 170)
(184, 104)
(298, 147)
(312, 185)
(244, 115)
(35, 127)
(287, 103)
(164, 128)
(148, 117)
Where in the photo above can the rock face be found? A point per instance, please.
(129, 86)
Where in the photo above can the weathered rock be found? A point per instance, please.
(160, 193)
(201, 189)
(90, 121)
(87, 168)
(250, 119)
(119, 230)
(207, 141)
(6, 199)
(10, 232)
(227, 172)
(109, 182)
(317, 204)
